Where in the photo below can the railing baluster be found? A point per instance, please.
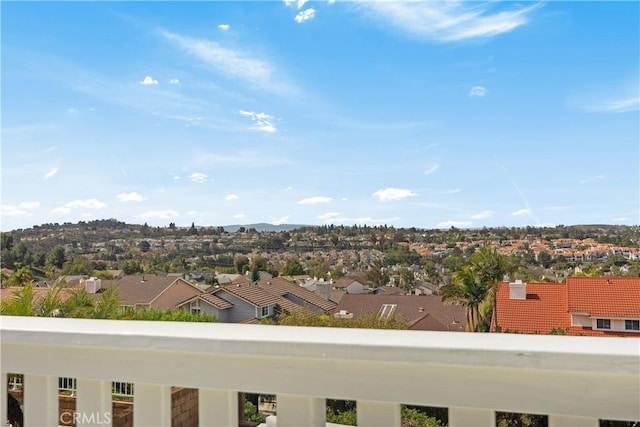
(378, 414)
(468, 417)
(151, 405)
(93, 403)
(300, 411)
(40, 400)
(217, 408)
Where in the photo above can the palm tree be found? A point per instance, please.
(108, 306)
(469, 292)
(21, 302)
(51, 304)
(79, 304)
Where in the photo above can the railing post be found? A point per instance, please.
(378, 414)
(93, 403)
(217, 408)
(151, 405)
(4, 390)
(300, 411)
(565, 421)
(40, 400)
(468, 417)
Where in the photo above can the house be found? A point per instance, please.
(297, 295)
(159, 292)
(248, 299)
(205, 303)
(388, 290)
(351, 285)
(423, 313)
(594, 306)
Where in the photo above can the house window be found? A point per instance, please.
(603, 324)
(195, 310)
(265, 311)
(632, 325)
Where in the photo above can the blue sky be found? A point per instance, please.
(422, 114)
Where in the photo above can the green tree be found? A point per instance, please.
(21, 277)
(468, 291)
(57, 257)
(240, 262)
(407, 279)
(21, 302)
(144, 246)
(292, 268)
(377, 274)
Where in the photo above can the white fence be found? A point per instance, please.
(574, 380)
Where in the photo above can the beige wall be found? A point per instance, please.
(175, 294)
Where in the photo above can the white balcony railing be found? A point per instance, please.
(575, 380)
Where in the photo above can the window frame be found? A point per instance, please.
(262, 311)
(632, 325)
(603, 324)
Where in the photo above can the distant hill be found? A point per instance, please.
(263, 227)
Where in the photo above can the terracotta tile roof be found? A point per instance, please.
(249, 292)
(544, 309)
(604, 296)
(282, 287)
(420, 312)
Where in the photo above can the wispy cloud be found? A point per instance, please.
(174, 81)
(149, 81)
(477, 91)
(158, 214)
(458, 224)
(224, 27)
(432, 170)
(315, 200)
(263, 122)
(450, 21)
(301, 3)
(615, 106)
(231, 197)
(281, 220)
(391, 193)
(199, 177)
(130, 197)
(521, 212)
(86, 204)
(11, 210)
(239, 216)
(482, 215)
(29, 205)
(305, 15)
(259, 73)
(591, 179)
(328, 216)
(52, 172)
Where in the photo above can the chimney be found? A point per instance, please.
(323, 289)
(517, 290)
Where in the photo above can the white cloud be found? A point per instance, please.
(192, 213)
(61, 210)
(281, 220)
(432, 169)
(458, 224)
(301, 3)
(199, 177)
(393, 194)
(52, 172)
(231, 63)
(176, 177)
(482, 215)
(620, 219)
(477, 91)
(86, 204)
(174, 81)
(29, 205)
(232, 197)
(130, 197)
(369, 220)
(263, 121)
(288, 2)
(328, 216)
(289, 188)
(591, 179)
(331, 1)
(149, 81)
(10, 210)
(305, 15)
(239, 216)
(521, 212)
(224, 27)
(615, 106)
(158, 214)
(450, 21)
(315, 200)
(453, 191)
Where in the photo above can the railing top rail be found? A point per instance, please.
(611, 355)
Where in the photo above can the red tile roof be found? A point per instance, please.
(544, 309)
(604, 296)
(549, 305)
